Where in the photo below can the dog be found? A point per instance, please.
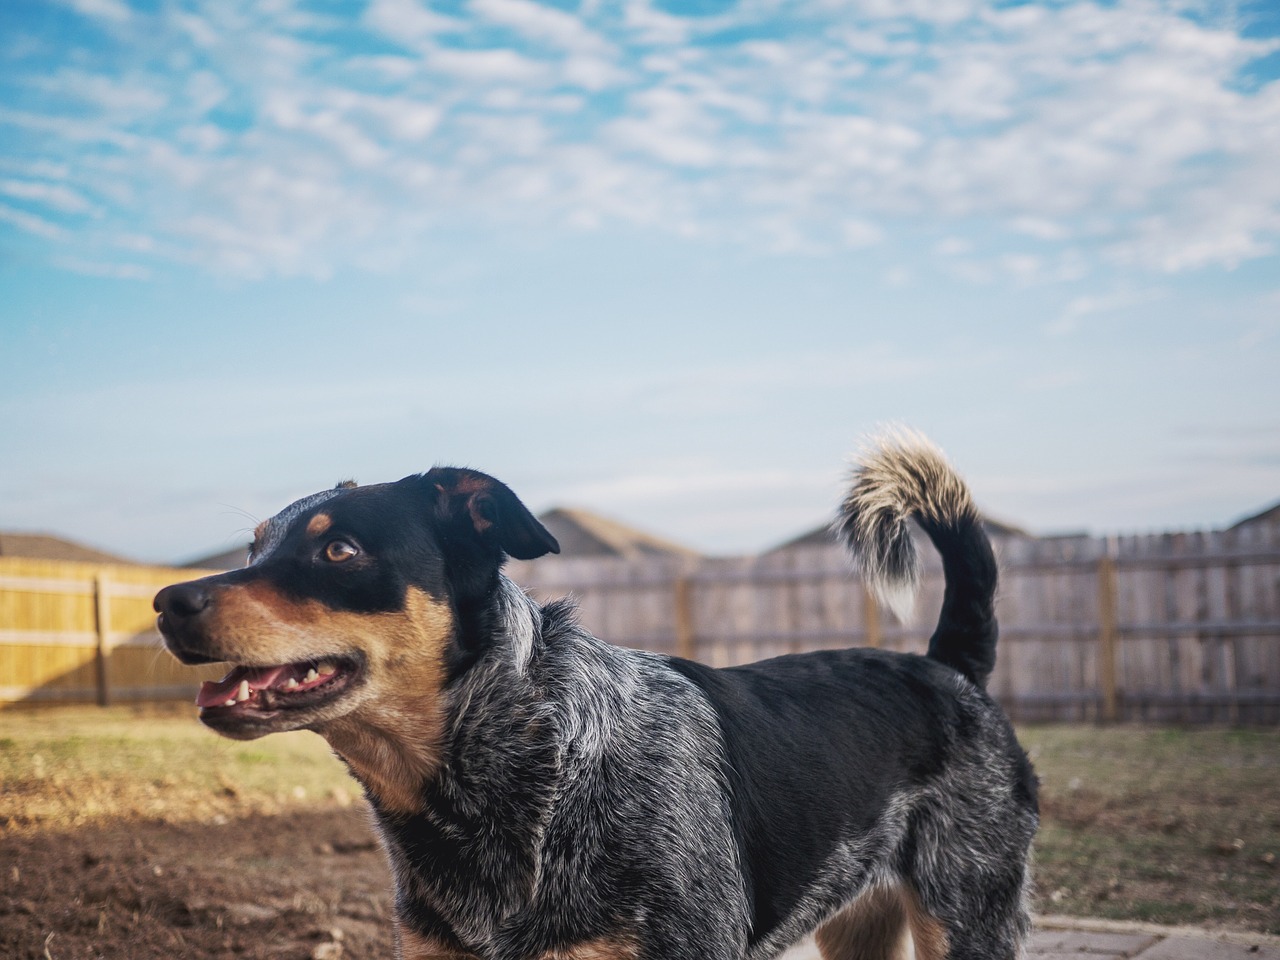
(544, 795)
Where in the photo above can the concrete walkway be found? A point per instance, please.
(1071, 938)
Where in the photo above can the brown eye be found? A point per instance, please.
(339, 550)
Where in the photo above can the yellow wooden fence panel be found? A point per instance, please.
(72, 631)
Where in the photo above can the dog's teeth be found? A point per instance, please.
(327, 669)
(243, 693)
(231, 703)
(311, 675)
(291, 684)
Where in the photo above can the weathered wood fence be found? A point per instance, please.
(1181, 628)
(1173, 628)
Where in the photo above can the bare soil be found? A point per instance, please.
(306, 884)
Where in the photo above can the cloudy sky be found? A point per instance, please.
(663, 260)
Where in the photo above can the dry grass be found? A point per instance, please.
(1163, 825)
(77, 765)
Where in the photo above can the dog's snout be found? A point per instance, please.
(182, 601)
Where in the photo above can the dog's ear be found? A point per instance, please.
(470, 503)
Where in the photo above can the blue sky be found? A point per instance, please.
(666, 261)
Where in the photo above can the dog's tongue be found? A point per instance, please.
(215, 693)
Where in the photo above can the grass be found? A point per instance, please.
(1163, 825)
(1175, 826)
(73, 765)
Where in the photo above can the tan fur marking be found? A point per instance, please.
(392, 740)
(413, 946)
(390, 728)
(260, 530)
(927, 932)
(595, 950)
(873, 927)
(319, 524)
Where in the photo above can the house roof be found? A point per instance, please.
(232, 559)
(1269, 516)
(581, 533)
(45, 546)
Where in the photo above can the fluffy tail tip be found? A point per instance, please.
(899, 474)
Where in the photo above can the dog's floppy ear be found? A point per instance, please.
(476, 504)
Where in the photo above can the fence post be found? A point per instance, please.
(1107, 616)
(871, 618)
(102, 627)
(686, 642)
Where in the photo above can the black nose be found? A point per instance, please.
(181, 602)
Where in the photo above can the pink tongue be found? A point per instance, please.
(216, 693)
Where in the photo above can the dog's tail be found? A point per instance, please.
(903, 476)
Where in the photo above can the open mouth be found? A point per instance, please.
(259, 693)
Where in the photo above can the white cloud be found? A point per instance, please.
(1093, 304)
(56, 196)
(407, 20)
(670, 125)
(1111, 135)
(543, 23)
(129, 97)
(954, 246)
(112, 10)
(491, 66)
(31, 223)
(113, 271)
(861, 233)
(655, 27)
(1039, 228)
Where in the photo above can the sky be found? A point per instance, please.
(666, 261)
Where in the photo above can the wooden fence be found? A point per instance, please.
(1181, 628)
(1171, 628)
(79, 632)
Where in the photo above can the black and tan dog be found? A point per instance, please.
(543, 795)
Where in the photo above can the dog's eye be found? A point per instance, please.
(339, 550)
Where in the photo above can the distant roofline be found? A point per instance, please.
(1266, 513)
(820, 535)
(41, 545)
(619, 537)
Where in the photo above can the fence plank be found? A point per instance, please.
(102, 628)
(1107, 638)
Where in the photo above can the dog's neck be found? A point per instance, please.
(500, 766)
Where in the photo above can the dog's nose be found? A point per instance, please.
(181, 602)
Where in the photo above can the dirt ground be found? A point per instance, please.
(136, 835)
(306, 884)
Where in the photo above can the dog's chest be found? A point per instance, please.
(500, 881)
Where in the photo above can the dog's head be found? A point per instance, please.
(351, 597)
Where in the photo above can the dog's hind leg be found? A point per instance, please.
(884, 923)
(983, 913)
